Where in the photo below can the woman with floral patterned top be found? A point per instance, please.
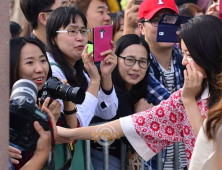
(174, 119)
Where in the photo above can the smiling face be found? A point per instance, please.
(187, 58)
(72, 46)
(132, 75)
(33, 65)
(97, 14)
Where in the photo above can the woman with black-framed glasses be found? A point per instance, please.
(130, 82)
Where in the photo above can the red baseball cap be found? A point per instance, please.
(148, 8)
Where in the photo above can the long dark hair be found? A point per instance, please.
(214, 120)
(61, 17)
(205, 49)
(116, 19)
(16, 45)
(139, 90)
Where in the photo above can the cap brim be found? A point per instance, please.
(151, 14)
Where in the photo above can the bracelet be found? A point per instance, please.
(70, 112)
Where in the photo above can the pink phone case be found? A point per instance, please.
(102, 36)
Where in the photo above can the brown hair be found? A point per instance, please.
(215, 114)
(193, 7)
(83, 5)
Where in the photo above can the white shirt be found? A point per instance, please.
(203, 150)
(91, 105)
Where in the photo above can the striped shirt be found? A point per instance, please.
(169, 81)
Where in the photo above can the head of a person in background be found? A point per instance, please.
(37, 11)
(15, 29)
(196, 10)
(67, 35)
(204, 51)
(185, 12)
(133, 62)
(28, 61)
(150, 12)
(118, 24)
(96, 12)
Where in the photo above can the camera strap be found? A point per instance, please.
(52, 163)
(68, 162)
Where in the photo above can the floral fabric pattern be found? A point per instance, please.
(168, 123)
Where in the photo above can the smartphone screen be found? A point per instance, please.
(102, 37)
(138, 2)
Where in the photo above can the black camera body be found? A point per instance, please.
(23, 113)
(55, 89)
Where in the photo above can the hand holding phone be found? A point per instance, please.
(102, 36)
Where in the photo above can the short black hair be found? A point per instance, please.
(32, 8)
(15, 29)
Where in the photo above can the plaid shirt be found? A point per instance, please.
(158, 92)
(156, 88)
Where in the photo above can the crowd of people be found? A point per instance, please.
(160, 97)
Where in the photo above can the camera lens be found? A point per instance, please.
(68, 93)
(24, 88)
(76, 95)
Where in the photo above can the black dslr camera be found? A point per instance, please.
(23, 113)
(55, 89)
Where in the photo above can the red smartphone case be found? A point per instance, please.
(102, 36)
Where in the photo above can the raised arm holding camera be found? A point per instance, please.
(28, 61)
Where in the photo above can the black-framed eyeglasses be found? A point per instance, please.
(154, 22)
(131, 61)
(74, 32)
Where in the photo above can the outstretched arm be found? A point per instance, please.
(88, 133)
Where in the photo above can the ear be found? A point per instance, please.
(141, 28)
(42, 18)
(54, 40)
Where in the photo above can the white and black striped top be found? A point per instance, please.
(169, 79)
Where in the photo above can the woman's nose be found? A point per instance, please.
(38, 68)
(184, 61)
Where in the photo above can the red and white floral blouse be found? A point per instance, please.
(152, 130)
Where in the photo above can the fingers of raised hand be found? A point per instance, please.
(113, 46)
(14, 153)
(46, 102)
(129, 5)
